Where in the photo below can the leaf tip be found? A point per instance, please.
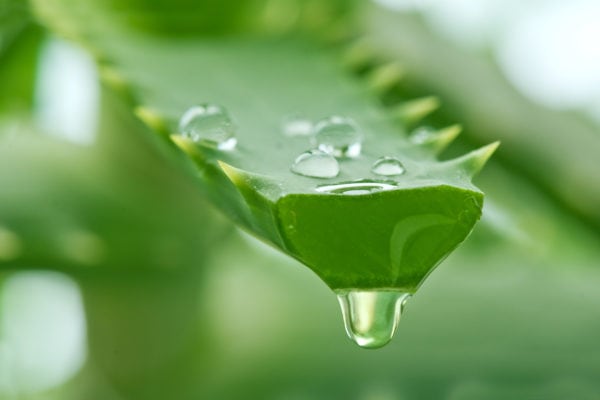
(180, 141)
(151, 118)
(188, 147)
(249, 182)
(442, 138)
(484, 153)
(385, 76)
(451, 132)
(358, 55)
(474, 161)
(232, 173)
(414, 110)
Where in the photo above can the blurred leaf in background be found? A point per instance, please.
(19, 40)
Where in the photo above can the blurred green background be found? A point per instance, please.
(119, 281)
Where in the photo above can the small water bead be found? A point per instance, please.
(422, 134)
(209, 124)
(297, 126)
(355, 187)
(371, 316)
(338, 136)
(388, 166)
(316, 164)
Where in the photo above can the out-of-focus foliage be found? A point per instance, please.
(74, 206)
(193, 18)
(19, 40)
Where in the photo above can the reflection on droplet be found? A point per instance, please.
(316, 164)
(297, 126)
(338, 136)
(371, 316)
(363, 186)
(209, 124)
(388, 166)
(422, 134)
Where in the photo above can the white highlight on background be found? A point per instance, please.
(547, 49)
(42, 332)
(471, 23)
(552, 54)
(68, 93)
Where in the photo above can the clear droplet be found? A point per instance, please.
(316, 164)
(338, 136)
(356, 187)
(297, 126)
(209, 124)
(388, 166)
(422, 134)
(371, 316)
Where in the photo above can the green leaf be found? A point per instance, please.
(189, 18)
(19, 47)
(14, 18)
(381, 239)
(558, 151)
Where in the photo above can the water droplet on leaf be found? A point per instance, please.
(371, 316)
(356, 187)
(338, 136)
(297, 126)
(388, 166)
(422, 134)
(209, 124)
(316, 164)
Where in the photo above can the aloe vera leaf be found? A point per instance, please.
(545, 145)
(349, 241)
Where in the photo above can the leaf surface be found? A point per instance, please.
(379, 239)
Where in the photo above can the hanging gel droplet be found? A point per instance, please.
(388, 166)
(338, 136)
(297, 126)
(422, 134)
(371, 316)
(316, 164)
(209, 124)
(363, 186)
